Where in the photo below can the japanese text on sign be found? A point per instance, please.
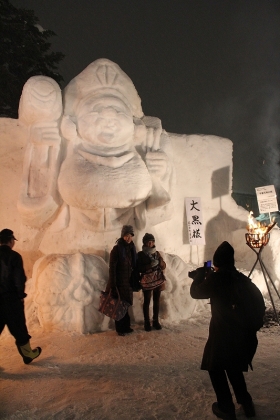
(267, 199)
(195, 221)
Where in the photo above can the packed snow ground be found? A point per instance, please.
(144, 376)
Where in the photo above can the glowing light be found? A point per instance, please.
(258, 232)
(258, 228)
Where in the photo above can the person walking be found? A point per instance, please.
(232, 342)
(150, 259)
(12, 285)
(122, 263)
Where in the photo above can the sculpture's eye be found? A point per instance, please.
(97, 108)
(112, 108)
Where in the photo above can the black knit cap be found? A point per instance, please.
(148, 237)
(224, 255)
(126, 230)
(7, 234)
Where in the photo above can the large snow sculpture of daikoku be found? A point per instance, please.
(93, 163)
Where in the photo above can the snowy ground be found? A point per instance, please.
(147, 375)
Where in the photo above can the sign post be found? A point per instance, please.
(195, 221)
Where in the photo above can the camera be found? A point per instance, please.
(207, 268)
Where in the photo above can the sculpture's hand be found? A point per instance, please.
(68, 128)
(157, 163)
(45, 133)
(147, 134)
(153, 139)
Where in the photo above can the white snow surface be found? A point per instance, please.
(144, 376)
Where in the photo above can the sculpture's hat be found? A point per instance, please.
(102, 77)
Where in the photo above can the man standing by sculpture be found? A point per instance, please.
(232, 340)
(12, 284)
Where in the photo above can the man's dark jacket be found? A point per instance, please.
(229, 345)
(12, 275)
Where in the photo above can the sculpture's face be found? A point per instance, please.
(105, 121)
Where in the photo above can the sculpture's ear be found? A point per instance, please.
(68, 128)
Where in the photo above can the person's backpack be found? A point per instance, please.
(247, 303)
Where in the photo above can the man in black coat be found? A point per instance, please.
(231, 345)
(12, 285)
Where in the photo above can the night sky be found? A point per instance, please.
(201, 66)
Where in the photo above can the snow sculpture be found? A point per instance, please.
(93, 163)
(95, 166)
(67, 292)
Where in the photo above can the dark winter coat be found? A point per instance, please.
(12, 275)
(144, 262)
(229, 345)
(122, 262)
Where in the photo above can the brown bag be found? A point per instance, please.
(112, 307)
(152, 279)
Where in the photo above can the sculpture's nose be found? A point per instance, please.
(110, 122)
(109, 114)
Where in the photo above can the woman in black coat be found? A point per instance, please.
(122, 262)
(230, 348)
(148, 259)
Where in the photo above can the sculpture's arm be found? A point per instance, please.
(40, 110)
(155, 148)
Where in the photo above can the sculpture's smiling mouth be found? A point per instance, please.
(107, 135)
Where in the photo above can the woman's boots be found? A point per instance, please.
(27, 353)
(156, 325)
(147, 325)
(147, 298)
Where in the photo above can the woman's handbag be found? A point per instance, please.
(112, 307)
(152, 279)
